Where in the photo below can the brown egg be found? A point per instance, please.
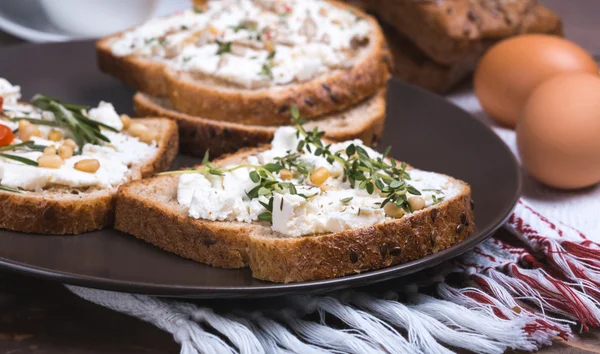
(510, 70)
(558, 134)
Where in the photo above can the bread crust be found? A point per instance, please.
(58, 211)
(149, 210)
(197, 134)
(334, 92)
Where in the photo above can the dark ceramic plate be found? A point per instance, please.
(424, 129)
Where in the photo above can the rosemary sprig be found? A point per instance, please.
(72, 117)
(19, 158)
(7, 189)
(49, 123)
(30, 145)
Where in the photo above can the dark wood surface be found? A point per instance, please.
(44, 318)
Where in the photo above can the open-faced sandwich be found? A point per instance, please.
(228, 71)
(61, 164)
(299, 209)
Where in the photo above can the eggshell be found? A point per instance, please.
(558, 135)
(510, 70)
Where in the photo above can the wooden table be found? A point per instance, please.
(42, 317)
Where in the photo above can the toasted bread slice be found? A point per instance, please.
(150, 211)
(64, 210)
(207, 96)
(197, 135)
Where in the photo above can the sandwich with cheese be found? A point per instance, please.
(228, 71)
(61, 164)
(299, 209)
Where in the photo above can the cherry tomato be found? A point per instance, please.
(6, 135)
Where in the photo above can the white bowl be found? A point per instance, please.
(97, 18)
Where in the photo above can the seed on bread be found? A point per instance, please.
(393, 211)
(50, 161)
(50, 150)
(416, 203)
(65, 151)
(70, 143)
(55, 135)
(87, 165)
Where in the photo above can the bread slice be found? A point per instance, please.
(207, 97)
(63, 210)
(197, 135)
(149, 210)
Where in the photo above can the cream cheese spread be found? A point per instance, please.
(253, 43)
(115, 157)
(331, 207)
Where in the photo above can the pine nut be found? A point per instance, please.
(142, 132)
(285, 174)
(393, 211)
(416, 203)
(70, 143)
(126, 120)
(23, 123)
(50, 150)
(319, 176)
(137, 129)
(28, 131)
(65, 151)
(87, 165)
(50, 161)
(55, 135)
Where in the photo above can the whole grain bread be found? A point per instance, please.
(335, 91)
(63, 210)
(149, 210)
(447, 31)
(363, 121)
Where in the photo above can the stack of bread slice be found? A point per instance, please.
(229, 72)
(436, 44)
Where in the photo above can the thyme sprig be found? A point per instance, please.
(73, 118)
(383, 173)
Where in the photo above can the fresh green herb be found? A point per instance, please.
(198, 10)
(245, 25)
(383, 173)
(72, 117)
(12, 190)
(438, 191)
(224, 47)
(27, 145)
(49, 123)
(186, 59)
(346, 200)
(19, 158)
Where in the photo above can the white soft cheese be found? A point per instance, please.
(105, 113)
(332, 207)
(309, 38)
(9, 92)
(115, 158)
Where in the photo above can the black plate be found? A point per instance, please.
(424, 129)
